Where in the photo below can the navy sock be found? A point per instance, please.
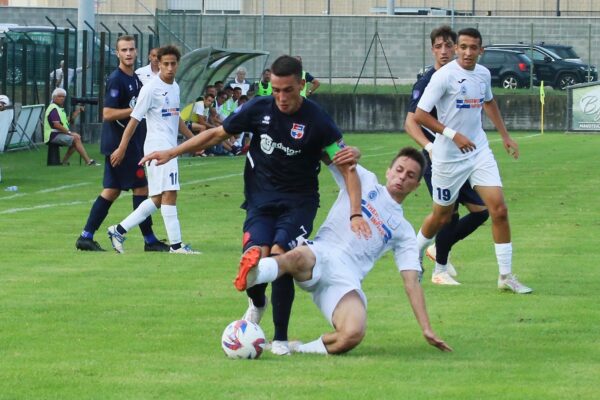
(467, 224)
(282, 297)
(445, 239)
(121, 230)
(257, 294)
(145, 225)
(97, 215)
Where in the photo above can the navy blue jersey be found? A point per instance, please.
(121, 92)
(417, 92)
(283, 161)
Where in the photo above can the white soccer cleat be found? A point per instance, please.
(294, 345)
(280, 348)
(116, 239)
(184, 249)
(253, 313)
(450, 268)
(431, 252)
(511, 283)
(443, 278)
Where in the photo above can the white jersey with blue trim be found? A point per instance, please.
(158, 101)
(390, 230)
(458, 95)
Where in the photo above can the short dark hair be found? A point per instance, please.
(169, 50)
(413, 154)
(222, 93)
(266, 70)
(445, 32)
(472, 32)
(286, 66)
(237, 88)
(243, 97)
(124, 38)
(219, 83)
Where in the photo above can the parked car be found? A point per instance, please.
(564, 51)
(551, 68)
(510, 69)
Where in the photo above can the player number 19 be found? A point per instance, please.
(443, 194)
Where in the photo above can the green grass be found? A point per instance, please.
(147, 326)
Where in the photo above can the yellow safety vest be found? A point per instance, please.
(64, 120)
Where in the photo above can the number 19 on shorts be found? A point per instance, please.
(443, 194)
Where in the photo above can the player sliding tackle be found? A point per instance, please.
(333, 266)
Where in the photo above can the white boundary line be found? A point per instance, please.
(16, 210)
(56, 189)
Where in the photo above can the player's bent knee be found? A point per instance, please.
(296, 262)
(499, 212)
(348, 339)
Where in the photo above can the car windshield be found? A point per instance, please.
(565, 52)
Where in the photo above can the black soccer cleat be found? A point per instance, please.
(159, 246)
(85, 244)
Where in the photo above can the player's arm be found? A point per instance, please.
(201, 141)
(314, 85)
(414, 130)
(493, 113)
(423, 117)
(117, 156)
(114, 114)
(414, 292)
(185, 130)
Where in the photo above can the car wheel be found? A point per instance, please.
(510, 81)
(567, 79)
(14, 76)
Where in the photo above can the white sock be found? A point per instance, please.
(315, 347)
(440, 268)
(169, 214)
(504, 257)
(422, 243)
(265, 272)
(143, 211)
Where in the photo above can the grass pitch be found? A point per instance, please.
(77, 325)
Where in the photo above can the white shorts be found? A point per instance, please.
(331, 279)
(162, 178)
(448, 177)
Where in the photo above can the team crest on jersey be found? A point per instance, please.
(372, 195)
(416, 93)
(463, 90)
(266, 120)
(114, 92)
(130, 88)
(297, 131)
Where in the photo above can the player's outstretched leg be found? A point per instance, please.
(248, 263)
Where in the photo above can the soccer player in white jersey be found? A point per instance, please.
(159, 103)
(459, 91)
(333, 266)
(151, 70)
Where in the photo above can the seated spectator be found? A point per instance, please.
(56, 128)
(202, 111)
(262, 87)
(219, 85)
(232, 103)
(240, 81)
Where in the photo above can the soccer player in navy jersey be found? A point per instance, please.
(122, 89)
(442, 47)
(290, 137)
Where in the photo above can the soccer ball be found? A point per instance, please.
(243, 339)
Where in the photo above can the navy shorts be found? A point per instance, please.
(466, 195)
(280, 223)
(125, 176)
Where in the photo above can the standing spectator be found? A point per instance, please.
(281, 185)
(151, 70)
(219, 85)
(263, 86)
(56, 76)
(310, 80)
(240, 81)
(158, 102)
(122, 90)
(57, 131)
